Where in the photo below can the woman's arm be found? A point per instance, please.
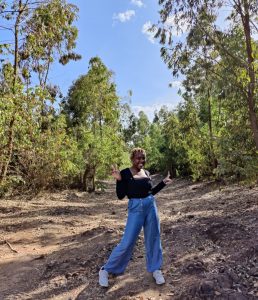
(120, 182)
(160, 185)
(158, 188)
(120, 189)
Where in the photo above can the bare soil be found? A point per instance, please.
(53, 244)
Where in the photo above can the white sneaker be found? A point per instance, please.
(158, 277)
(103, 278)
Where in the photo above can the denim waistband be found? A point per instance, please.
(144, 198)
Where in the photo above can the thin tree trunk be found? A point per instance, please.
(88, 183)
(9, 151)
(13, 119)
(16, 45)
(251, 72)
(92, 180)
(84, 179)
(212, 155)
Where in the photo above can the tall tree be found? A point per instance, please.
(199, 19)
(92, 108)
(41, 31)
(128, 124)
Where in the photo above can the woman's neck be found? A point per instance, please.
(135, 170)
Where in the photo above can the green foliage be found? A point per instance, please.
(92, 111)
(49, 161)
(154, 143)
(40, 158)
(35, 149)
(214, 130)
(209, 53)
(210, 134)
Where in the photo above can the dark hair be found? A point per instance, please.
(136, 150)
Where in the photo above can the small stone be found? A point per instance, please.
(190, 216)
(221, 269)
(207, 288)
(254, 272)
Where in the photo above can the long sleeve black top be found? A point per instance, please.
(136, 187)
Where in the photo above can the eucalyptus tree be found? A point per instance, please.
(128, 122)
(206, 43)
(38, 33)
(92, 109)
(142, 129)
(135, 127)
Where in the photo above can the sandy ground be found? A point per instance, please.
(53, 244)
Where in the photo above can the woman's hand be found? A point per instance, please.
(116, 173)
(167, 180)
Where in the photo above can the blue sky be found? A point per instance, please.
(113, 30)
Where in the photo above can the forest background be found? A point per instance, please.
(50, 140)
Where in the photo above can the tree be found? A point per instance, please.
(203, 34)
(128, 122)
(92, 109)
(142, 129)
(42, 31)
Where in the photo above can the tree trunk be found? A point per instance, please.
(15, 74)
(9, 151)
(251, 72)
(212, 155)
(172, 170)
(88, 183)
(16, 45)
(253, 119)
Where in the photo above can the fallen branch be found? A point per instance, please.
(10, 246)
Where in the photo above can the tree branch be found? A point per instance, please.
(6, 28)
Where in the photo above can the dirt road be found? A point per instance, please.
(52, 245)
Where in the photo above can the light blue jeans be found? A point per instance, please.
(142, 212)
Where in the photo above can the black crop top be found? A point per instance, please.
(136, 187)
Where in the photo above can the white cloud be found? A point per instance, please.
(149, 33)
(171, 25)
(150, 109)
(138, 3)
(124, 16)
(175, 84)
(168, 25)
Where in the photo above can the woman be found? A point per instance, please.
(136, 184)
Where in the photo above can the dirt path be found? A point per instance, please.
(53, 245)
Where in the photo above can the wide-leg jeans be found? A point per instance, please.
(142, 212)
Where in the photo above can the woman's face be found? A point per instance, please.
(138, 160)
